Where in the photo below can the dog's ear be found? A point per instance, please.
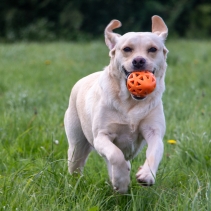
(111, 38)
(159, 27)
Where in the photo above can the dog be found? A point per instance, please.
(103, 115)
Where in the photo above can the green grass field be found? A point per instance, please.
(35, 83)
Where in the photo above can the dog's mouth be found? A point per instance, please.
(127, 75)
(137, 97)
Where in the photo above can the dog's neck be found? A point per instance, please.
(117, 94)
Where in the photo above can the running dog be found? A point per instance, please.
(103, 115)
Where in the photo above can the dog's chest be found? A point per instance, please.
(128, 139)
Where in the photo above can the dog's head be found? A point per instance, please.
(138, 51)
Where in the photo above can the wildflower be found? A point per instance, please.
(172, 141)
(56, 142)
(47, 62)
(196, 61)
(29, 181)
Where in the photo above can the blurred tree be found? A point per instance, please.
(200, 21)
(85, 19)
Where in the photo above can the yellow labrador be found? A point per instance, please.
(104, 116)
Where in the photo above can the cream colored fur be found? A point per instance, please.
(104, 116)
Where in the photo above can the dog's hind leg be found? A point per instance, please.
(79, 148)
(77, 155)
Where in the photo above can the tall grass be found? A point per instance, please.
(35, 83)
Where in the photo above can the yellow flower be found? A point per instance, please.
(29, 182)
(47, 62)
(196, 61)
(172, 141)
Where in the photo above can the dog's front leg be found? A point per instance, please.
(147, 173)
(119, 168)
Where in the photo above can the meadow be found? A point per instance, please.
(35, 83)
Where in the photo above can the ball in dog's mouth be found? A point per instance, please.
(140, 84)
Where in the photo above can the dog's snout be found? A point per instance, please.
(139, 62)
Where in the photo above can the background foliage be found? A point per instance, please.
(86, 19)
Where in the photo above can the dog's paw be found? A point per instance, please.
(121, 178)
(145, 177)
(121, 185)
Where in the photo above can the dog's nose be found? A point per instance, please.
(139, 62)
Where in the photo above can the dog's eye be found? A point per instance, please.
(152, 49)
(127, 49)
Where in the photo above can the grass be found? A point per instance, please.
(35, 83)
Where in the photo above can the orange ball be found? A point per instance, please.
(141, 83)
